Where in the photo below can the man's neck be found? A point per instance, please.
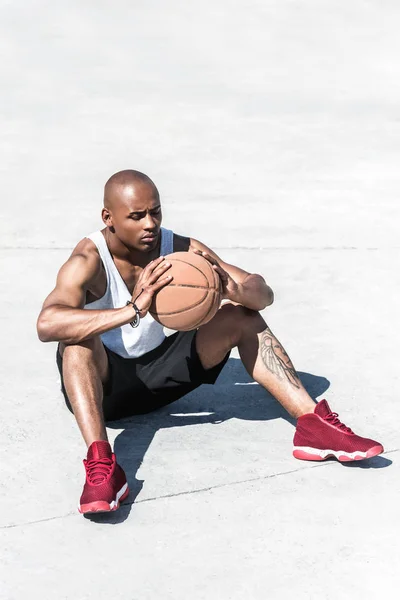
(134, 257)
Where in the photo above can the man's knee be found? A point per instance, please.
(238, 313)
(239, 320)
(85, 347)
(88, 354)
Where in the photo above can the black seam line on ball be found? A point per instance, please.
(211, 270)
(189, 285)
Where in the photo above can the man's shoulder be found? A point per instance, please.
(85, 246)
(87, 254)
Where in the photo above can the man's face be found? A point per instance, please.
(136, 217)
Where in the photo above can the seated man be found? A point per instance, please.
(111, 370)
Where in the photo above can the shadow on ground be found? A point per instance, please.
(234, 396)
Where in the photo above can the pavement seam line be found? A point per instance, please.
(250, 480)
(190, 492)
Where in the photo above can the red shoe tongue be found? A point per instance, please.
(322, 409)
(98, 450)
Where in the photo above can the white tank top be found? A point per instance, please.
(127, 341)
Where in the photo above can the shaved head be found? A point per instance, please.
(132, 212)
(125, 184)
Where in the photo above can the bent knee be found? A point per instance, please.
(88, 355)
(239, 319)
(91, 345)
(237, 313)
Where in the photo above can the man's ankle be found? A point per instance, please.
(308, 410)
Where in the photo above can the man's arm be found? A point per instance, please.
(63, 318)
(248, 289)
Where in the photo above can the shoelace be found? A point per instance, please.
(332, 418)
(98, 470)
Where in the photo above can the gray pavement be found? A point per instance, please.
(272, 131)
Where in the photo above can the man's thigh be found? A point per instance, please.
(165, 374)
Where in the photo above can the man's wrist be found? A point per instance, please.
(136, 320)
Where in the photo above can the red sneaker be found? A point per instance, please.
(106, 484)
(321, 434)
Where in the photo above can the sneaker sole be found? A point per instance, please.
(306, 453)
(100, 506)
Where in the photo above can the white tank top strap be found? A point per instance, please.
(98, 238)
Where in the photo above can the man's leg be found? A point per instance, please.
(319, 433)
(85, 369)
(263, 356)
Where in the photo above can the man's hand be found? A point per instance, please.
(230, 288)
(151, 280)
(238, 286)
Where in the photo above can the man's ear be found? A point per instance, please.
(107, 219)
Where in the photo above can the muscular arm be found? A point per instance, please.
(252, 290)
(63, 318)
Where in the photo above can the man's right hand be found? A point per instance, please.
(63, 317)
(151, 280)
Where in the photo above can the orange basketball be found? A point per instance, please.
(192, 298)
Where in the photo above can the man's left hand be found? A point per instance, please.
(230, 288)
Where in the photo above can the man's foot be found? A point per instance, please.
(320, 435)
(106, 484)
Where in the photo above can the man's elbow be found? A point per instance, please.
(42, 331)
(270, 296)
(259, 289)
(44, 328)
(268, 293)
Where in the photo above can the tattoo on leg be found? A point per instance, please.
(276, 360)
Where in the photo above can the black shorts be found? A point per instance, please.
(163, 375)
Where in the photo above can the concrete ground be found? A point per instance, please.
(272, 131)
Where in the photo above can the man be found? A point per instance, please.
(111, 369)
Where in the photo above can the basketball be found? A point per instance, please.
(192, 298)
